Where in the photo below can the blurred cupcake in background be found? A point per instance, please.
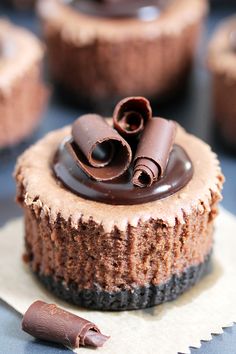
(22, 93)
(222, 64)
(100, 51)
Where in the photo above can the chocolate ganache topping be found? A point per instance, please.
(146, 10)
(97, 163)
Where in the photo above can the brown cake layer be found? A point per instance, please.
(111, 59)
(112, 248)
(22, 93)
(221, 60)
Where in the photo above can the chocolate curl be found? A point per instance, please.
(98, 149)
(153, 151)
(51, 323)
(130, 116)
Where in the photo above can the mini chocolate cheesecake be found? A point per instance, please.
(101, 51)
(119, 217)
(22, 93)
(222, 64)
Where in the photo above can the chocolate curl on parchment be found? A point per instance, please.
(130, 116)
(153, 151)
(98, 149)
(51, 323)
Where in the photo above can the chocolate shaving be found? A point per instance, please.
(130, 116)
(153, 151)
(98, 149)
(51, 323)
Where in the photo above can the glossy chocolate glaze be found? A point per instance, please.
(143, 9)
(121, 191)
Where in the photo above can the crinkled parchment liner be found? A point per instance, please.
(172, 327)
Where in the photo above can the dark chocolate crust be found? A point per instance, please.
(137, 298)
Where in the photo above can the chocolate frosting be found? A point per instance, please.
(143, 9)
(121, 191)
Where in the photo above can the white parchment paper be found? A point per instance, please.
(166, 329)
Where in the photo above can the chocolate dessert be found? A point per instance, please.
(22, 93)
(119, 217)
(101, 51)
(222, 64)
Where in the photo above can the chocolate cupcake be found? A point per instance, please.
(102, 51)
(22, 93)
(222, 64)
(116, 223)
